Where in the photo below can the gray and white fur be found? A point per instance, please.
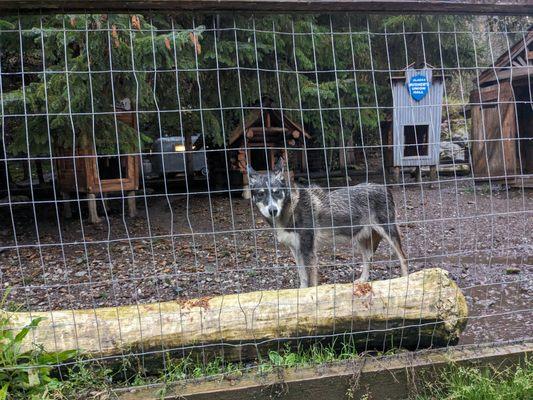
(303, 217)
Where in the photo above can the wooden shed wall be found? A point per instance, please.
(494, 132)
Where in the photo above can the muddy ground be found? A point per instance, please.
(202, 245)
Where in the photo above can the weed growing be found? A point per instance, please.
(26, 374)
(469, 383)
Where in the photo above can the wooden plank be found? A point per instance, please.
(136, 172)
(494, 132)
(272, 129)
(493, 141)
(113, 185)
(479, 164)
(494, 93)
(522, 7)
(523, 182)
(509, 147)
(386, 377)
(502, 74)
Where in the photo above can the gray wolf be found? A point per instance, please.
(304, 217)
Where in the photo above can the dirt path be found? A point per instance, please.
(170, 251)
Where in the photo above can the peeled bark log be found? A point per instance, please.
(425, 308)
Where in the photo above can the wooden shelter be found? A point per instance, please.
(267, 134)
(502, 117)
(414, 137)
(88, 173)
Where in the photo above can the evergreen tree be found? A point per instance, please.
(187, 74)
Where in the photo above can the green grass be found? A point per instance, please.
(86, 379)
(315, 354)
(469, 383)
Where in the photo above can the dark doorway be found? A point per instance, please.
(112, 167)
(259, 159)
(415, 140)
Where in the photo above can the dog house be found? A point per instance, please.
(266, 136)
(94, 175)
(417, 111)
(502, 117)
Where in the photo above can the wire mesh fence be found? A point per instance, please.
(126, 141)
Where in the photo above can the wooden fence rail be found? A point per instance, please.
(390, 377)
(516, 7)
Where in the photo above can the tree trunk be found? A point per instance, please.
(424, 309)
(40, 173)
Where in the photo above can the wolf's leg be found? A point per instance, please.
(300, 265)
(366, 267)
(307, 249)
(392, 235)
(367, 246)
(311, 267)
(376, 239)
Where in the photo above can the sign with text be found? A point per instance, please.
(418, 87)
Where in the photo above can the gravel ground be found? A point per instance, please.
(483, 237)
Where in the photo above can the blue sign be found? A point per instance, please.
(418, 87)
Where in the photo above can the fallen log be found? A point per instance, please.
(424, 309)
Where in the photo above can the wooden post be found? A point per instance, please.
(241, 159)
(132, 209)
(396, 174)
(93, 214)
(418, 174)
(246, 194)
(432, 175)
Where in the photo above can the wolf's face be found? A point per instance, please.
(269, 190)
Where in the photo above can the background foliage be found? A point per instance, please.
(196, 75)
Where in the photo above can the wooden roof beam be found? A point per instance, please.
(515, 7)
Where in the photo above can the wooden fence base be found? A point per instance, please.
(386, 378)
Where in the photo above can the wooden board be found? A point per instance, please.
(383, 378)
(522, 7)
(493, 136)
(425, 308)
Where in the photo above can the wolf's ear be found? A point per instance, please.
(252, 174)
(279, 168)
(250, 170)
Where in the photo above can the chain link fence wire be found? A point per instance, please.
(124, 141)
